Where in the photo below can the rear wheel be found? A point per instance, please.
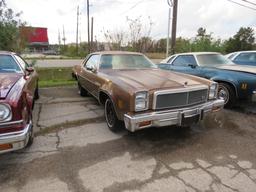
(227, 93)
(82, 92)
(114, 124)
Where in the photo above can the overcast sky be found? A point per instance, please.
(221, 17)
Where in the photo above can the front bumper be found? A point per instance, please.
(254, 96)
(15, 140)
(171, 117)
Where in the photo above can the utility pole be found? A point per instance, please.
(64, 38)
(92, 33)
(77, 23)
(59, 38)
(88, 26)
(174, 25)
(170, 4)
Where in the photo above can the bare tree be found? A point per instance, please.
(115, 39)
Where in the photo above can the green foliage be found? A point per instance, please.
(9, 25)
(72, 51)
(205, 42)
(243, 40)
(52, 77)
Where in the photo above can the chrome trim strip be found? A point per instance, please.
(10, 123)
(179, 90)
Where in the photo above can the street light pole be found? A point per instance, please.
(170, 4)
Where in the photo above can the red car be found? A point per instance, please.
(18, 90)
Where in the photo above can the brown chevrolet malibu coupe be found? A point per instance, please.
(135, 92)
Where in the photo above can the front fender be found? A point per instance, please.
(228, 80)
(120, 98)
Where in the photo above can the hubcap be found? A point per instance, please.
(109, 113)
(223, 94)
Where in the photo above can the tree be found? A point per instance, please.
(9, 25)
(115, 39)
(205, 42)
(244, 39)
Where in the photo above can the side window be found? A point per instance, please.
(170, 60)
(231, 56)
(246, 57)
(22, 63)
(92, 61)
(184, 60)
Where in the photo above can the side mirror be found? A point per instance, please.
(30, 69)
(192, 66)
(92, 69)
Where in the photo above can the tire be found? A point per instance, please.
(36, 94)
(31, 134)
(226, 92)
(114, 124)
(82, 92)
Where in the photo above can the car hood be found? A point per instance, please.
(243, 68)
(7, 81)
(152, 79)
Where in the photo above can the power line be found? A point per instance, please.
(249, 2)
(242, 5)
(132, 7)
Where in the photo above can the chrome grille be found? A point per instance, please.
(180, 98)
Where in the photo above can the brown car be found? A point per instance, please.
(134, 91)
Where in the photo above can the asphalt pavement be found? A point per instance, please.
(74, 151)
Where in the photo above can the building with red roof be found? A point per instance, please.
(35, 38)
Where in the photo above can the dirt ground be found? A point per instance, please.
(74, 151)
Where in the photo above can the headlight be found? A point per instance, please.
(141, 101)
(5, 112)
(213, 91)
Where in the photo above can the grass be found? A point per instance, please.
(155, 55)
(55, 77)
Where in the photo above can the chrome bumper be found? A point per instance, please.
(171, 117)
(18, 140)
(254, 96)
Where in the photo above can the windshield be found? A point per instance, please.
(125, 62)
(212, 59)
(8, 64)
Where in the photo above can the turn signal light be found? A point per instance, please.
(144, 123)
(5, 147)
(215, 109)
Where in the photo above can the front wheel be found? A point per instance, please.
(31, 133)
(36, 94)
(227, 93)
(111, 118)
(82, 92)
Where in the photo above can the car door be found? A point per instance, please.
(186, 64)
(31, 77)
(88, 74)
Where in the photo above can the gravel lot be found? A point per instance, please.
(74, 151)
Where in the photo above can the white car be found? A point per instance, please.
(243, 57)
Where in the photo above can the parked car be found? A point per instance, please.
(243, 57)
(132, 89)
(18, 90)
(235, 82)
